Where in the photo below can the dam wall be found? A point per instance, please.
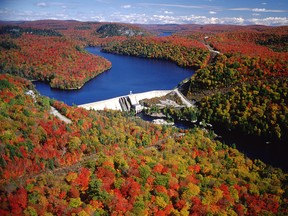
(117, 102)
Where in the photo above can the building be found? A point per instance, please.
(137, 108)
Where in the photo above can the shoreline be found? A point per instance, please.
(71, 88)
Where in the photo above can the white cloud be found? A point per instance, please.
(126, 6)
(56, 4)
(275, 11)
(142, 18)
(171, 5)
(240, 9)
(212, 8)
(264, 3)
(270, 21)
(169, 19)
(164, 17)
(258, 10)
(42, 4)
(97, 18)
(60, 4)
(4, 11)
(168, 12)
(128, 18)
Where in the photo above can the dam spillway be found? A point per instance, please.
(124, 103)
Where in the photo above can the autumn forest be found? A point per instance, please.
(114, 163)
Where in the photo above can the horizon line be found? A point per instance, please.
(163, 24)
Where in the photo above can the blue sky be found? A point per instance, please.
(241, 12)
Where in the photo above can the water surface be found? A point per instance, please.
(127, 74)
(138, 75)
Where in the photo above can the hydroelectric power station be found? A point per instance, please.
(126, 102)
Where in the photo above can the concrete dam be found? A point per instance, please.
(126, 102)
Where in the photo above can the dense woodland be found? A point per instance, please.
(44, 55)
(185, 52)
(104, 163)
(247, 83)
(111, 163)
(243, 87)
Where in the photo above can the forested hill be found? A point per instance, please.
(243, 88)
(111, 163)
(241, 84)
(104, 163)
(110, 30)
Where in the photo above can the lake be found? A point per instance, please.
(127, 74)
(165, 33)
(139, 75)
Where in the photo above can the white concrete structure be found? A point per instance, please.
(114, 104)
(137, 107)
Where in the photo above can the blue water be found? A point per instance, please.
(127, 74)
(165, 34)
(138, 75)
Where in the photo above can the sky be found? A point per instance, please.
(240, 12)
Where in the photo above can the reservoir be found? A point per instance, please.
(127, 74)
(140, 75)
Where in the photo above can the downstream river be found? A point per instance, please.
(127, 74)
